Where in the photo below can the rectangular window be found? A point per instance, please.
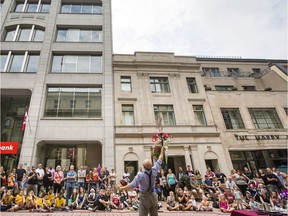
(20, 33)
(224, 88)
(81, 8)
(199, 115)
(159, 85)
(37, 6)
(165, 114)
(232, 118)
(79, 35)
(128, 114)
(234, 72)
(126, 84)
(76, 64)
(249, 88)
(212, 72)
(265, 118)
(191, 82)
(71, 102)
(16, 62)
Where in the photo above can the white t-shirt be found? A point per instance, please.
(40, 172)
(126, 177)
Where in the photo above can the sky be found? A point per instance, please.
(229, 28)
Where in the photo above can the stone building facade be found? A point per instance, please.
(208, 104)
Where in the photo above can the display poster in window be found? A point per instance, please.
(51, 163)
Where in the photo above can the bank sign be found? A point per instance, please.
(8, 147)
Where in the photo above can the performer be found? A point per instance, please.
(146, 180)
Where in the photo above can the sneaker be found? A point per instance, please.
(95, 209)
(108, 209)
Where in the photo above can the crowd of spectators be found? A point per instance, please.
(63, 189)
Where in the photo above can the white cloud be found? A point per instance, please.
(256, 29)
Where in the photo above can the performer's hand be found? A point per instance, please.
(118, 187)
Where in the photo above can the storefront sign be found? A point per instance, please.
(8, 147)
(257, 137)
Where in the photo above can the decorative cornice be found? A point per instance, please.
(143, 75)
(127, 99)
(174, 75)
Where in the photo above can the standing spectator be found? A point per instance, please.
(58, 180)
(248, 174)
(102, 179)
(81, 177)
(272, 181)
(221, 176)
(163, 183)
(171, 180)
(189, 171)
(112, 179)
(65, 171)
(32, 181)
(47, 179)
(99, 168)
(179, 176)
(126, 175)
(40, 175)
(106, 171)
(198, 176)
(89, 180)
(263, 176)
(71, 181)
(95, 182)
(2, 177)
(210, 173)
(20, 175)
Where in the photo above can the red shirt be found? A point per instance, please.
(116, 201)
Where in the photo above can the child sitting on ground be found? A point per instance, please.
(205, 205)
(191, 204)
(223, 204)
(60, 203)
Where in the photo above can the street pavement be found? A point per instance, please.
(162, 212)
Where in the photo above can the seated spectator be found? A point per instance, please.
(205, 205)
(115, 202)
(6, 202)
(246, 199)
(60, 203)
(81, 199)
(230, 183)
(276, 201)
(19, 201)
(182, 199)
(30, 201)
(198, 176)
(229, 196)
(72, 200)
(253, 204)
(102, 201)
(123, 199)
(91, 198)
(224, 205)
(221, 176)
(210, 173)
(47, 203)
(196, 188)
(171, 202)
(191, 204)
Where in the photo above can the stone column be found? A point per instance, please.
(187, 155)
(195, 157)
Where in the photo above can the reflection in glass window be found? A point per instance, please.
(126, 84)
(199, 115)
(265, 118)
(32, 7)
(232, 118)
(128, 114)
(18, 33)
(71, 102)
(79, 35)
(166, 113)
(76, 64)
(19, 62)
(192, 86)
(81, 8)
(159, 85)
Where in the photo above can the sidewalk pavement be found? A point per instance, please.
(162, 212)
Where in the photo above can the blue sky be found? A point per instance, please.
(246, 28)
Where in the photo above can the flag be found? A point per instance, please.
(25, 120)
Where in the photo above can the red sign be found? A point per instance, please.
(8, 147)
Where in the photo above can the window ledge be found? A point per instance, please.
(161, 94)
(75, 118)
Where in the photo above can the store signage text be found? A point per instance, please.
(257, 137)
(8, 147)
